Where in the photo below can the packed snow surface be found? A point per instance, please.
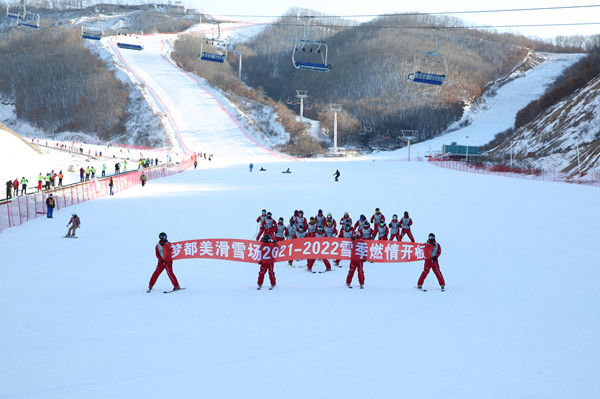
(516, 320)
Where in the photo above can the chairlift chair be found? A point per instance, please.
(93, 32)
(430, 67)
(303, 56)
(219, 52)
(14, 11)
(29, 20)
(130, 41)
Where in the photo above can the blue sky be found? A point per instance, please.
(354, 7)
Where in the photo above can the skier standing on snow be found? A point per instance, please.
(360, 222)
(75, 222)
(40, 182)
(406, 222)
(320, 218)
(356, 265)
(266, 265)
(346, 219)
(432, 263)
(268, 226)
(320, 233)
(164, 254)
(345, 232)
(365, 231)
(281, 231)
(394, 228)
(329, 219)
(312, 227)
(382, 231)
(260, 220)
(377, 217)
(16, 188)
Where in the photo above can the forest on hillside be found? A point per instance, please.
(370, 63)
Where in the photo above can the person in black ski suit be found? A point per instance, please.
(336, 174)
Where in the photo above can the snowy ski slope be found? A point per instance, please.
(519, 318)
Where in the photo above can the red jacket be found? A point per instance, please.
(164, 252)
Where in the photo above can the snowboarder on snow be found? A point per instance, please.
(336, 174)
(75, 222)
(164, 254)
(250, 167)
(436, 251)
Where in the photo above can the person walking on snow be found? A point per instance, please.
(356, 265)
(164, 254)
(111, 183)
(75, 222)
(40, 182)
(143, 179)
(395, 228)
(60, 178)
(50, 203)
(432, 263)
(406, 222)
(266, 265)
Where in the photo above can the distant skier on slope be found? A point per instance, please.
(336, 175)
(75, 222)
(436, 251)
(164, 254)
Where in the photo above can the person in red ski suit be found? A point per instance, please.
(268, 226)
(382, 231)
(394, 228)
(164, 254)
(356, 265)
(345, 232)
(281, 231)
(320, 218)
(260, 221)
(360, 222)
(406, 222)
(432, 263)
(320, 233)
(266, 265)
(346, 219)
(377, 217)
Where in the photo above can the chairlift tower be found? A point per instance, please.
(335, 108)
(408, 136)
(301, 94)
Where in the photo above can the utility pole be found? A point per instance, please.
(335, 108)
(301, 94)
(467, 149)
(240, 69)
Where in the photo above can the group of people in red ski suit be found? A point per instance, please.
(322, 225)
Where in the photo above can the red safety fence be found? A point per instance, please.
(591, 177)
(21, 209)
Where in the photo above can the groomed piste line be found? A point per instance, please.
(199, 84)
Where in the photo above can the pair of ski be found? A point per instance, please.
(260, 288)
(168, 292)
(424, 290)
(361, 287)
(322, 271)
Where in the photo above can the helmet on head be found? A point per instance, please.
(269, 214)
(329, 223)
(329, 215)
(281, 220)
(405, 213)
(300, 213)
(348, 227)
(292, 222)
(376, 210)
(431, 237)
(382, 223)
(74, 214)
(366, 224)
(394, 217)
(363, 217)
(162, 236)
(319, 227)
(301, 228)
(266, 238)
(320, 211)
(312, 218)
(264, 211)
(346, 213)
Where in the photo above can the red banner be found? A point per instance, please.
(300, 248)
